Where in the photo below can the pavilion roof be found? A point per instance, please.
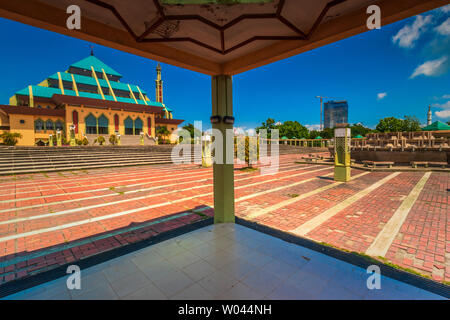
(209, 37)
(436, 126)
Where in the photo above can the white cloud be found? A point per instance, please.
(446, 8)
(407, 35)
(430, 68)
(445, 113)
(243, 130)
(381, 95)
(444, 28)
(311, 127)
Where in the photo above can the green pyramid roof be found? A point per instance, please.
(318, 137)
(436, 126)
(98, 65)
(359, 136)
(284, 137)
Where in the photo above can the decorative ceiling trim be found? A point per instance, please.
(162, 17)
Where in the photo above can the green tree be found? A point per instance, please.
(10, 138)
(268, 125)
(359, 129)
(313, 134)
(411, 124)
(327, 133)
(390, 124)
(292, 129)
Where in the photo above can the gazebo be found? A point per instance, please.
(214, 38)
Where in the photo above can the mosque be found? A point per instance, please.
(87, 100)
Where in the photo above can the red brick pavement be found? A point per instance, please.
(422, 242)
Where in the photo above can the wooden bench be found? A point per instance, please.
(312, 155)
(415, 164)
(379, 163)
(310, 159)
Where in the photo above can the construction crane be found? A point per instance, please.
(321, 110)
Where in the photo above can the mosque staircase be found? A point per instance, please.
(18, 160)
(46, 159)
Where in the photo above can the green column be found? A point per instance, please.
(222, 105)
(342, 138)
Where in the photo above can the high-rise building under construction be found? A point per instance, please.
(335, 112)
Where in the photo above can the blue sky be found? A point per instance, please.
(395, 71)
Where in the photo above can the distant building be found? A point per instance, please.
(335, 112)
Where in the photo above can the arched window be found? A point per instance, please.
(91, 124)
(128, 123)
(39, 106)
(75, 120)
(39, 125)
(49, 125)
(149, 126)
(103, 124)
(116, 122)
(138, 124)
(59, 125)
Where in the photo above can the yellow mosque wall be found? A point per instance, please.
(83, 112)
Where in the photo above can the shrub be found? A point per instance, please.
(53, 141)
(251, 149)
(101, 140)
(10, 138)
(85, 141)
(113, 139)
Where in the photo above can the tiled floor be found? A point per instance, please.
(225, 261)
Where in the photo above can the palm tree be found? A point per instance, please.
(162, 133)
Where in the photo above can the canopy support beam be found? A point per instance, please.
(222, 105)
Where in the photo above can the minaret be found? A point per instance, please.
(429, 116)
(159, 84)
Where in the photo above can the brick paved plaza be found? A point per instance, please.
(57, 218)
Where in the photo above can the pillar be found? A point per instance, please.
(223, 173)
(58, 138)
(72, 135)
(342, 138)
(206, 152)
